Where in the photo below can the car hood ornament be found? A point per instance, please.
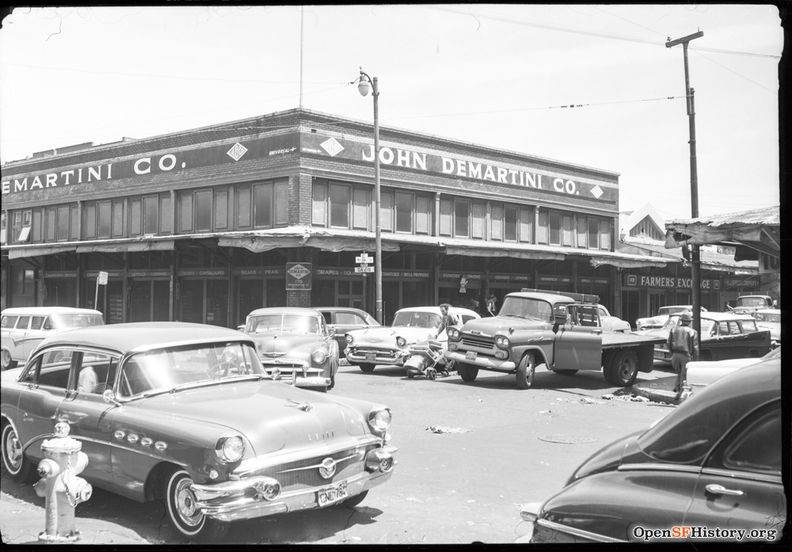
(304, 406)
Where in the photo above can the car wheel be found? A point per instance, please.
(183, 511)
(355, 500)
(622, 368)
(525, 371)
(366, 368)
(566, 372)
(14, 460)
(5, 360)
(467, 372)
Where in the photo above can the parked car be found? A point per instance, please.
(723, 335)
(391, 344)
(612, 323)
(295, 343)
(749, 304)
(344, 319)
(770, 319)
(662, 315)
(701, 373)
(22, 328)
(187, 414)
(713, 463)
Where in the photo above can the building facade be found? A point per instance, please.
(207, 224)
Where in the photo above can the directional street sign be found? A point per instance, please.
(364, 268)
(364, 259)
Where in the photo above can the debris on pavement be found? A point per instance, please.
(443, 429)
(565, 439)
(589, 400)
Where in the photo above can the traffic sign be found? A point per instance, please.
(364, 259)
(364, 268)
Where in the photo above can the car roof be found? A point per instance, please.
(550, 297)
(304, 311)
(143, 335)
(721, 316)
(341, 309)
(769, 311)
(762, 379)
(436, 309)
(43, 311)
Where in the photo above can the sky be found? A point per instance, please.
(497, 75)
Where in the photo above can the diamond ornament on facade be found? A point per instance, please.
(597, 192)
(332, 147)
(237, 151)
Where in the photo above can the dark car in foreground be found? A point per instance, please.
(709, 470)
(187, 414)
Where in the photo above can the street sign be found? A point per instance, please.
(364, 259)
(298, 276)
(102, 278)
(364, 268)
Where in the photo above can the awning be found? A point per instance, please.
(502, 252)
(120, 247)
(35, 251)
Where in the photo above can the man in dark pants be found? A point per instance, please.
(683, 344)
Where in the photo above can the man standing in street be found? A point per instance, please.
(683, 344)
(447, 319)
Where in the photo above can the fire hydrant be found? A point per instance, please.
(59, 485)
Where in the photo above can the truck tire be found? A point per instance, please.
(366, 368)
(622, 368)
(467, 372)
(525, 371)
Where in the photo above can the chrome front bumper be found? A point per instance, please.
(244, 498)
(298, 376)
(483, 362)
(395, 356)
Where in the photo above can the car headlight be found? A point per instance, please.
(400, 341)
(230, 449)
(319, 356)
(380, 421)
(453, 334)
(502, 341)
(349, 339)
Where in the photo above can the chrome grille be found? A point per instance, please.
(478, 341)
(299, 474)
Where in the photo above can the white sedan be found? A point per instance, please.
(703, 372)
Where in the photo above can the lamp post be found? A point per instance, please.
(364, 83)
(695, 255)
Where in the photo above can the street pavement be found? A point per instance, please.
(469, 455)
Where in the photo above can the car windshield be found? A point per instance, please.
(165, 369)
(525, 307)
(61, 321)
(672, 310)
(284, 323)
(751, 302)
(768, 317)
(706, 324)
(417, 319)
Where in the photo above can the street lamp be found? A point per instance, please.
(364, 83)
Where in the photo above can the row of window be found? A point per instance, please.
(334, 205)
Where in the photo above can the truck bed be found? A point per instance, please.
(612, 340)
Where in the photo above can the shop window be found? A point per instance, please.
(262, 205)
(281, 203)
(567, 231)
(74, 222)
(404, 211)
(554, 219)
(446, 218)
(496, 221)
(186, 212)
(134, 216)
(339, 205)
(3, 230)
(150, 208)
(582, 232)
(541, 227)
(103, 219)
(37, 229)
(361, 199)
(526, 224)
(423, 214)
(510, 223)
(386, 211)
(478, 219)
(461, 218)
(51, 229)
(221, 209)
(593, 233)
(117, 210)
(165, 214)
(319, 210)
(605, 234)
(203, 210)
(242, 194)
(89, 220)
(62, 233)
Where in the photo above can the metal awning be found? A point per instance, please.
(23, 251)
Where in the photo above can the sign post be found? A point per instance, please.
(101, 280)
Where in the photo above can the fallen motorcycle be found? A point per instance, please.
(426, 359)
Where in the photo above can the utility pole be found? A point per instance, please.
(695, 254)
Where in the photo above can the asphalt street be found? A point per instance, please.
(469, 455)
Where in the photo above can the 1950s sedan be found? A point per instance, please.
(186, 414)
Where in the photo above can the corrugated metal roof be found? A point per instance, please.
(768, 216)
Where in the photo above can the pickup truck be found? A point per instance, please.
(558, 329)
(749, 304)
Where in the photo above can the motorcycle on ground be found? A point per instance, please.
(427, 359)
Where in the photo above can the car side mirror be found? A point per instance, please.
(241, 328)
(108, 396)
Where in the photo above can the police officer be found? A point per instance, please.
(683, 344)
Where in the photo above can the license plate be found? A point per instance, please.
(371, 357)
(470, 355)
(330, 495)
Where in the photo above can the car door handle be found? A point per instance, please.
(721, 490)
